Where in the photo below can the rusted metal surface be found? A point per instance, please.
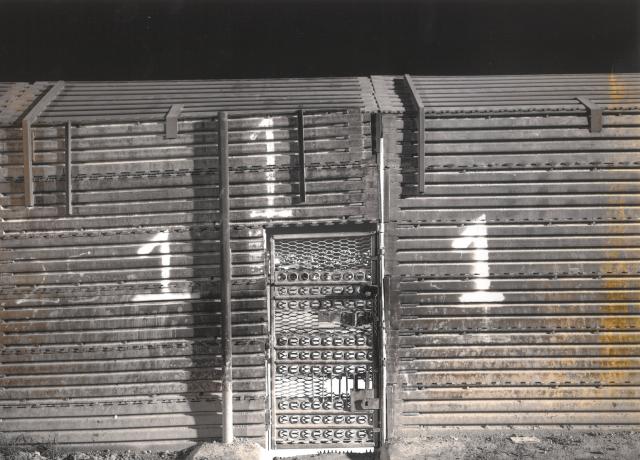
(510, 286)
(114, 313)
(516, 275)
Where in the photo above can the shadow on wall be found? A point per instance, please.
(186, 293)
(204, 385)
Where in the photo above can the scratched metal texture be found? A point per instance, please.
(111, 317)
(515, 277)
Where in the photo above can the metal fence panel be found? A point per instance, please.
(111, 315)
(515, 272)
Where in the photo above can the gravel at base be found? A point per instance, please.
(459, 445)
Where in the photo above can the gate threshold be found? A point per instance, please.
(283, 453)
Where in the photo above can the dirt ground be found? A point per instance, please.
(503, 445)
(485, 445)
(538, 444)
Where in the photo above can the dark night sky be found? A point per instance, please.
(115, 40)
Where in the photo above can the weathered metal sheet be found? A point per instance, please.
(132, 323)
(16, 98)
(513, 289)
(475, 95)
(111, 317)
(516, 274)
(103, 101)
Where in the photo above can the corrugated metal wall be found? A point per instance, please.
(110, 317)
(516, 274)
(16, 98)
(514, 293)
(150, 100)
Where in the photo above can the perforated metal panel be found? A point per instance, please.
(324, 319)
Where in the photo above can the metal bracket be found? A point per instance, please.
(417, 101)
(27, 138)
(594, 112)
(364, 400)
(171, 121)
(301, 159)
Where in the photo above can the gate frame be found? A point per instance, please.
(332, 230)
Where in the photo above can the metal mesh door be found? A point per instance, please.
(324, 313)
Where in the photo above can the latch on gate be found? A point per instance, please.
(328, 318)
(369, 292)
(331, 318)
(364, 400)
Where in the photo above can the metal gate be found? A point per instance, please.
(324, 335)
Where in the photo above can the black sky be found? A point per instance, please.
(117, 40)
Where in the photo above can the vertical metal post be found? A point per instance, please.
(67, 137)
(225, 288)
(421, 148)
(382, 278)
(27, 153)
(27, 138)
(417, 100)
(301, 165)
(272, 340)
(376, 130)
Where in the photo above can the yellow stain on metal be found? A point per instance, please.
(616, 90)
(617, 315)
